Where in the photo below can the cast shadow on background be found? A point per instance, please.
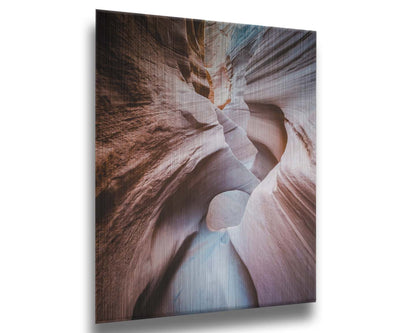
(277, 315)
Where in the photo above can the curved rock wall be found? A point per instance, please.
(190, 117)
(279, 219)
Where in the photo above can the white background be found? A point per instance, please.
(366, 154)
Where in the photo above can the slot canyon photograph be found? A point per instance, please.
(205, 166)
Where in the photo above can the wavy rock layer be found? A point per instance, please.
(205, 166)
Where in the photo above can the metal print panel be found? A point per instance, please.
(205, 166)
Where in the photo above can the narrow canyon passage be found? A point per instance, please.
(209, 274)
(205, 166)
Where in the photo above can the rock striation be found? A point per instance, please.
(205, 166)
(279, 219)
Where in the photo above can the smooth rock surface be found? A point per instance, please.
(226, 210)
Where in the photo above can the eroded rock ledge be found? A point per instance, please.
(205, 166)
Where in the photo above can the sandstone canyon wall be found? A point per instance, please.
(205, 166)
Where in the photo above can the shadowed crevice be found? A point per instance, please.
(149, 300)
